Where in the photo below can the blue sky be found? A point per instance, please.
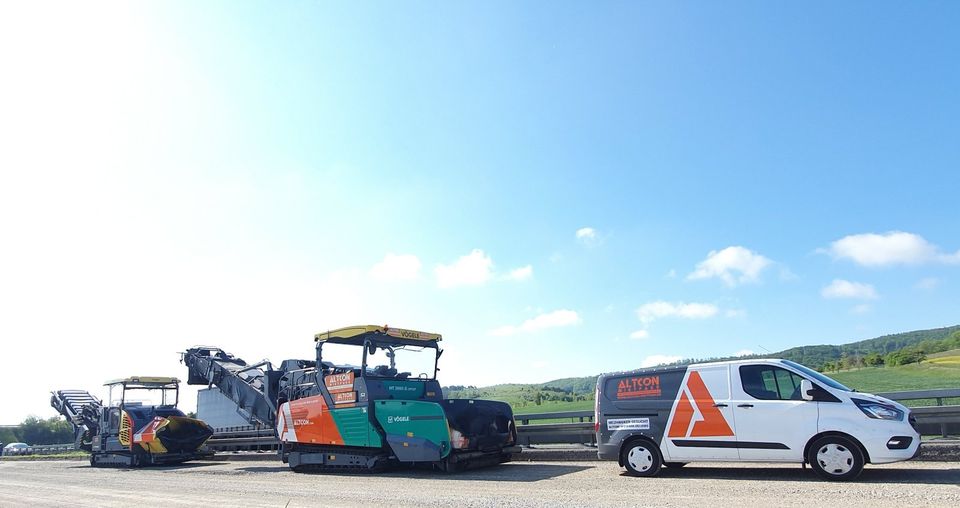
(560, 189)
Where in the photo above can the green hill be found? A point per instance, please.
(818, 355)
(940, 370)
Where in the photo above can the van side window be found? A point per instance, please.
(767, 382)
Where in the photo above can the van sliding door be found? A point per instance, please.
(701, 425)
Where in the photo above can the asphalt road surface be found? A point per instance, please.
(270, 483)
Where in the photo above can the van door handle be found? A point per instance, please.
(719, 404)
(744, 405)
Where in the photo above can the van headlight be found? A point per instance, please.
(879, 411)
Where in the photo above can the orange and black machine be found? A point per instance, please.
(369, 400)
(139, 425)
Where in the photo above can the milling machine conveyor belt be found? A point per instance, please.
(70, 403)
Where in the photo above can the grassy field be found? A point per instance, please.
(939, 372)
(944, 354)
(942, 372)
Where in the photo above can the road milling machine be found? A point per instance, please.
(139, 426)
(369, 400)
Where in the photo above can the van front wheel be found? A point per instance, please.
(641, 458)
(835, 458)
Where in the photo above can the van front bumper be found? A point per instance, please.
(893, 445)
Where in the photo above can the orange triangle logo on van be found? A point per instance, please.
(712, 424)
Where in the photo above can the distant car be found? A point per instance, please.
(15, 449)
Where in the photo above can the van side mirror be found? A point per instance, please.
(806, 390)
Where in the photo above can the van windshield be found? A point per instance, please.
(818, 376)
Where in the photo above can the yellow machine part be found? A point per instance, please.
(154, 446)
(126, 429)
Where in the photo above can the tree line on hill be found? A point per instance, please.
(522, 395)
(897, 349)
(914, 353)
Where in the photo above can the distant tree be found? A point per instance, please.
(953, 341)
(37, 431)
(906, 356)
(9, 435)
(892, 359)
(873, 360)
(933, 346)
(854, 361)
(918, 357)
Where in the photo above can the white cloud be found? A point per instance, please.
(654, 360)
(522, 273)
(640, 334)
(588, 236)
(555, 319)
(649, 312)
(887, 249)
(539, 364)
(395, 267)
(863, 308)
(733, 265)
(927, 283)
(735, 313)
(786, 275)
(474, 269)
(840, 288)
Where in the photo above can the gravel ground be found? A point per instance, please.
(270, 483)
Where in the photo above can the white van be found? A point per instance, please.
(748, 410)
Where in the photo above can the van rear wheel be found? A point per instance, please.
(835, 458)
(641, 458)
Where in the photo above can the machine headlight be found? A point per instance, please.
(879, 411)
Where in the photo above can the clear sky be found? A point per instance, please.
(561, 189)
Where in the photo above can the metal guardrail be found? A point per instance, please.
(938, 394)
(580, 428)
(45, 449)
(248, 438)
(580, 431)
